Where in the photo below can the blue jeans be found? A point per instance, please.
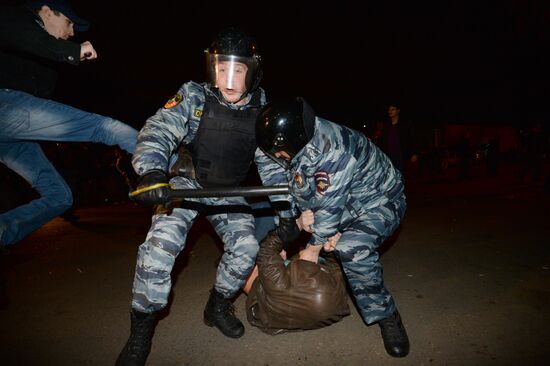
(264, 219)
(25, 119)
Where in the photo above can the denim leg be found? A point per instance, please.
(28, 160)
(26, 117)
(264, 218)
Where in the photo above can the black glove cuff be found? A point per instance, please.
(288, 231)
(151, 177)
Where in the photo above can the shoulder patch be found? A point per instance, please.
(322, 182)
(174, 101)
(299, 181)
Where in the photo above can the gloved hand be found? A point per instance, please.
(152, 188)
(288, 231)
(183, 166)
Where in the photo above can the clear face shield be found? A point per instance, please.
(232, 72)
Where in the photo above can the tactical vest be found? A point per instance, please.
(224, 145)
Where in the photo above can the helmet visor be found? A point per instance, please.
(231, 72)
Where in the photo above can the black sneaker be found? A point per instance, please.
(394, 335)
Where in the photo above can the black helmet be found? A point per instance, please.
(234, 45)
(285, 125)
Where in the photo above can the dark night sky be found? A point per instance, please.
(467, 62)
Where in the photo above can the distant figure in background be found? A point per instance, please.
(397, 139)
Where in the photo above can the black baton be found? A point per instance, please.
(254, 191)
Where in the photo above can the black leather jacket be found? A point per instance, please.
(303, 295)
(29, 54)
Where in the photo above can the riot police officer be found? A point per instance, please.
(353, 190)
(215, 121)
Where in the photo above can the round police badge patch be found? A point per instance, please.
(322, 182)
(174, 101)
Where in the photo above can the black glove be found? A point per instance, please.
(287, 231)
(152, 188)
(183, 166)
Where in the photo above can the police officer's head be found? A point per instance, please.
(233, 64)
(285, 126)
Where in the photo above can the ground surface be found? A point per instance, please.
(469, 271)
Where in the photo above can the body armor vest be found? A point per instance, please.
(224, 145)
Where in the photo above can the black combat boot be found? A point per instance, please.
(219, 312)
(394, 335)
(137, 348)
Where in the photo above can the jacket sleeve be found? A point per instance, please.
(331, 264)
(272, 174)
(162, 133)
(340, 168)
(272, 271)
(29, 38)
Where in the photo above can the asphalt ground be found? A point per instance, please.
(469, 270)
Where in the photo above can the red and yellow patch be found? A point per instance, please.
(322, 182)
(174, 101)
(298, 180)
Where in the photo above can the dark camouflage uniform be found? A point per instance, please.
(162, 134)
(352, 188)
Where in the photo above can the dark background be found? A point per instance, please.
(447, 62)
(451, 62)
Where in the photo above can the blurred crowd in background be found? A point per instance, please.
(455, 152)
(96, 173)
